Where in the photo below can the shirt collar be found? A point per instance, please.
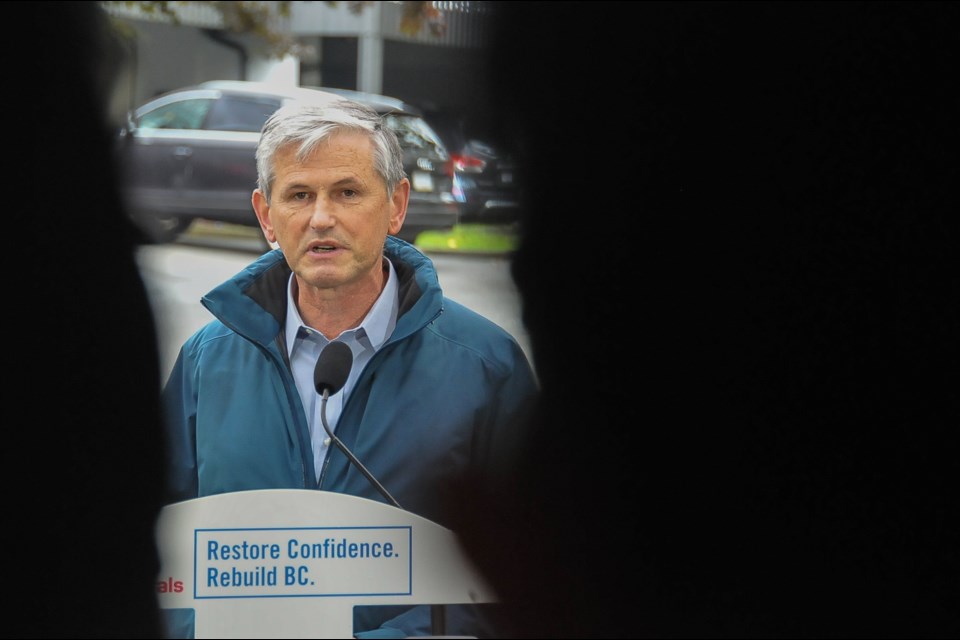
(375, 327)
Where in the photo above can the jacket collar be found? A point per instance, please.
(253, 302)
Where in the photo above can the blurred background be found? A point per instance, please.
(425, 60)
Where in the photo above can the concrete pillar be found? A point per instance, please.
(370, 51)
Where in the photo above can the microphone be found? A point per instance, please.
(333, 369)
(329, 376)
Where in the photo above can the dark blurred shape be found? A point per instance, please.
(744, 315)
(83, 450)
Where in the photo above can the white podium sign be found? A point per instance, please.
(290, 563)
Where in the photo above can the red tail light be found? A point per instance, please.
(467, 164)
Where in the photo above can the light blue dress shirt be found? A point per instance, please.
(304, 345)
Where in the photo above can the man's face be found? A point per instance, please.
(331, 213)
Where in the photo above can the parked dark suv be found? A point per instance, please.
(189, 154)
(486, 181)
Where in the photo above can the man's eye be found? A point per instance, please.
(301, 195)
(349, 193)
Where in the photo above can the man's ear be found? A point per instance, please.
(262, 208)
(398, 206)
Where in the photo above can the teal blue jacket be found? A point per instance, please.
(447, 394)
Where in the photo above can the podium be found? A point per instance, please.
(292, 563)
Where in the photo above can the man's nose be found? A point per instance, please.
(322, 216)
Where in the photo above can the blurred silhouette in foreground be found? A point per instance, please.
(739, 275)
(83, 458)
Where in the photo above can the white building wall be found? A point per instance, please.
(318, 18)
(281, 72)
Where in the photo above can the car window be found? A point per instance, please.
(186, 114)
(235, 113)
(414, 133)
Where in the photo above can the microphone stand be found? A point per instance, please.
(353, 458)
